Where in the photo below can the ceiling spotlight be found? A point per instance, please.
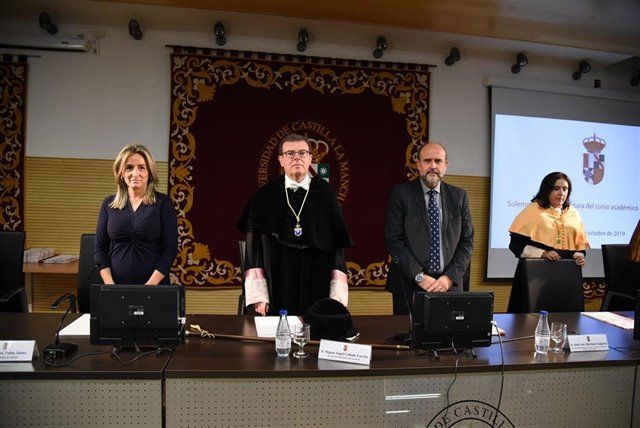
(218, 31)
(521, 61)
(583, 68)
(635, 81)
(303, 39)
(381, 45)
(454, 56)
(134, 29)
(46, 24)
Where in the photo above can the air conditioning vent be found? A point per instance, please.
(45, 43)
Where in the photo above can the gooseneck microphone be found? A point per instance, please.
(64, 349)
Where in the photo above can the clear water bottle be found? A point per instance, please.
(283, 335)
(543, 334)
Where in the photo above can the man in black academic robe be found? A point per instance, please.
(295, 238)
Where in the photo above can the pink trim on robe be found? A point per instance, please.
(339, 287)
(255, 287)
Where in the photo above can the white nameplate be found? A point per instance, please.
(345, 352)
(18, 350)
(588, 342)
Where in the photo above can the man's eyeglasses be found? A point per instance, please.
(292, 154)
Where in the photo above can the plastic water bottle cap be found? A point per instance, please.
(283, 312)
(544, 313)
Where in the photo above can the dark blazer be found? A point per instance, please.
(407, 234)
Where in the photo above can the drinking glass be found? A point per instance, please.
(558, 336)
(301, 336)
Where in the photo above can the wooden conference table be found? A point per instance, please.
(92, 391)
(68, 269)
(232, 383)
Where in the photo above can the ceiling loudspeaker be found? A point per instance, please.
(135, 30)
(454, 56)
(521, 61)
(381, 46)
(45, 22)
(303, 40)
(219, 32)
(583, 68)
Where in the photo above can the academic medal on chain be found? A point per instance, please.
(297, 229)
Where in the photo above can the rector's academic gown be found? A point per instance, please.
(298, 269)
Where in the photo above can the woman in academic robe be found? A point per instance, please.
(548, 228)
(137, 231)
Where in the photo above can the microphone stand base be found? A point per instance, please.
(403, 338)
(60, 350)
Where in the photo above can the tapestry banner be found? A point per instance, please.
(230, 110)
(13, 105)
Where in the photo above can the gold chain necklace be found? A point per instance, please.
(297, 230)
(559, 229)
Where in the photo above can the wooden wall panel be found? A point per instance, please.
(222, 300)
(478, 189)
(365, 301)
(63, 196)
(370, 301)
(207, 301)
(45, 289)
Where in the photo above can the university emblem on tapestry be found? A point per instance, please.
(319, 150)
(229, 112)
(593, 161)
(329, 157)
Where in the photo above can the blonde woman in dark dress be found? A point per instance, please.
(137, 231)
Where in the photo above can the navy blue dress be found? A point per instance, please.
(134, 244)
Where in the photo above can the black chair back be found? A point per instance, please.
(620, 274)
(242, 248)
(636, 318)
(541, 284)
(88, 272)
(12, 295)
(614, 301)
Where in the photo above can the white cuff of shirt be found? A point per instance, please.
(255, 287)
(531, 252)
(339, 287)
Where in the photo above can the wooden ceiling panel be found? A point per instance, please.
(600, 27)
(611, 25)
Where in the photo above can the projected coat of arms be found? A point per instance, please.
(229, 111)
(593, 161)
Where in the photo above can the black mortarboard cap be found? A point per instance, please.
(330, 319)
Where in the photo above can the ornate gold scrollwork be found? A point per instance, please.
(195, 79)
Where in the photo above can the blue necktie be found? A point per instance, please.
(433, 215)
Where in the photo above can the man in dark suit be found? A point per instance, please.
(428, 232)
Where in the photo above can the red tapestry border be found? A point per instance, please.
(196, 82)
(301, 59)
(13, 99)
